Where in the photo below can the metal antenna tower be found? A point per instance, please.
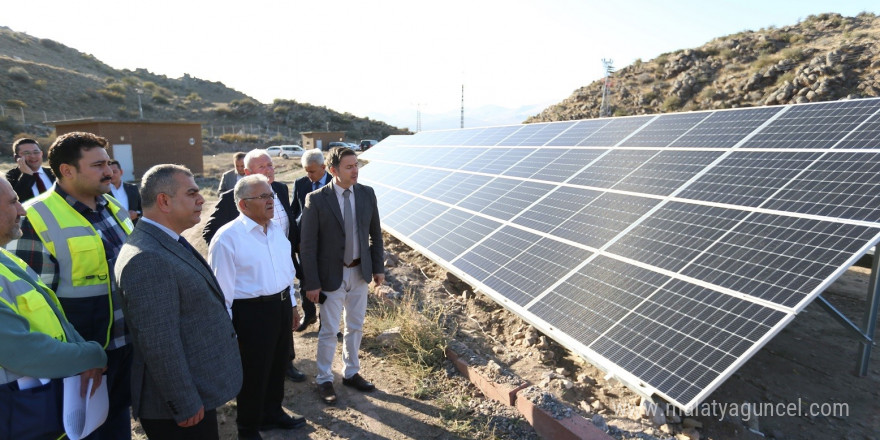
(606, 85)
(418, 117)
(462, 106)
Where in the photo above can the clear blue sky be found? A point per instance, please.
(383, 58)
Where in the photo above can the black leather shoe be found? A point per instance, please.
(249, 434)
(294, 374)
(328, 394)
(306, 322)
(359, 383)
(285, 422)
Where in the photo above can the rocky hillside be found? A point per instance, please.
(825, 57)
(43, 80)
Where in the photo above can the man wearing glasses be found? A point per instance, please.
(259, 162)
(30, 178)
(251, 259)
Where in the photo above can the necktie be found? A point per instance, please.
(193, 250)
(315, 185)
(41, 186)
(348, 221)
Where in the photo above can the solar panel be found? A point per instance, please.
(665, 249)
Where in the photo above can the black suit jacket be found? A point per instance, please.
(225, 211)
(323, 237)
(134, 196)
(301, 187)
(22, 183)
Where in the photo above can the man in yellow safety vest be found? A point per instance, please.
(71, 237)
(36, 341)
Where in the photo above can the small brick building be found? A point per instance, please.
(320, 139)
(138, 145)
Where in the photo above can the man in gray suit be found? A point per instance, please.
(186, 361)
(231, 177)
(341, 251)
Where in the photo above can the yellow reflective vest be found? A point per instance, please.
(29, 303)
(72, 240)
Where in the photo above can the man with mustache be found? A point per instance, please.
(71, 238)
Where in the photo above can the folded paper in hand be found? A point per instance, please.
(82, 415)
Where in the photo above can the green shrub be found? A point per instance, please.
(19, 73)
(40, 84)
(111, 95)
(235, 137)
(785, 77)
(793, 53)
(671, 103)
(149, 85)
(49, 44)
(764, 61)
(160, 99)
(194, 97)
(132, 81)
(116, 87)
(15, 103)
(223, 111)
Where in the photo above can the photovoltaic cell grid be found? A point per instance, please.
(665, 249)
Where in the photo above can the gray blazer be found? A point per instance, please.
(227, 181)
(323, 237)
(185, 348)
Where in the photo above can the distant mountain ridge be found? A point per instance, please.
(41, 79)
(824, 57)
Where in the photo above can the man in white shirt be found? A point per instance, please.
(126, 194)
(250, 257)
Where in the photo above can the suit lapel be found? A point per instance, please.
(329, 193)
(359, 204)
(181, 252)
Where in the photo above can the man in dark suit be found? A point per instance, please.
(341, 251)
(231, 177)
(125, 193)
(30, 178)
(259, 162)
(186, 359)
(316, 177)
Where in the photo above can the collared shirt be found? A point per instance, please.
(325, 179)
(119, 194)
(249, 262)
(356, 249)
(31, 249)
(281, 216)
(163, 228)
(39, 174)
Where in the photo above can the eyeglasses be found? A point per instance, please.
(266, 196)
(31, 153)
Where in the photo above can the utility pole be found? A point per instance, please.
(609, 69)
(140, 92)
(462, 106)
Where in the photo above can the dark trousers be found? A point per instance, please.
(118, 423)
(161, 429)
(263, 330)
(309, 309)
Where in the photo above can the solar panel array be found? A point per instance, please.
(665, 249)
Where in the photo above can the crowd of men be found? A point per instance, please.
(96, 280)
